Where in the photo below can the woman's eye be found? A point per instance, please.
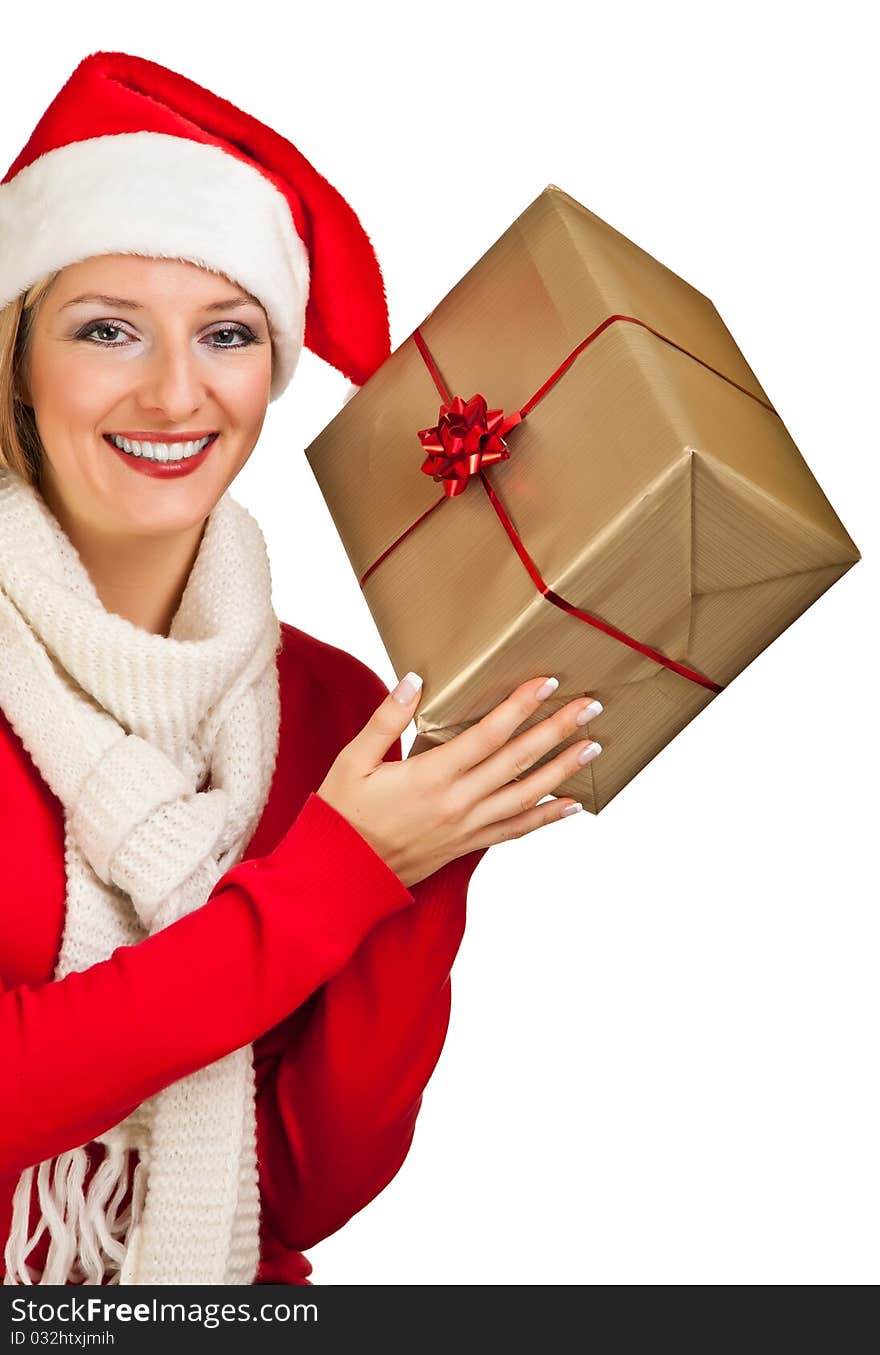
(100, 325)
(238, 331)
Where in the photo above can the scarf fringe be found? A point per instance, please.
(89, 1237)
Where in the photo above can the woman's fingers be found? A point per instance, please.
(521, 796)
(473, 746)
(388, 721)
(477, 769)
(522, 752)
(526, 822)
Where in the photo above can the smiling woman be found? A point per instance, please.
(153, 386)
(212, 1055)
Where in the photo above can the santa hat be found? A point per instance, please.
(132, 158)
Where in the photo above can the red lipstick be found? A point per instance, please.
(163, 470)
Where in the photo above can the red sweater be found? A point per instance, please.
(311, 948)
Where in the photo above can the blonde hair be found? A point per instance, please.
(20, 447)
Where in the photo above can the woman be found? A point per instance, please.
(223, 990)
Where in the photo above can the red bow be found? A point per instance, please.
(466, 437)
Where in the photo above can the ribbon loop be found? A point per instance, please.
(467, 436)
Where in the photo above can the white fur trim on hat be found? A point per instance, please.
(163, 197)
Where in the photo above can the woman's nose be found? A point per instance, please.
(173, 381)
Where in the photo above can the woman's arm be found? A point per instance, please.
(340, 1082)
(81, 1052)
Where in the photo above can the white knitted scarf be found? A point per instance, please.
(125, 726)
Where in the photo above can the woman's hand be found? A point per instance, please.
(421, 812)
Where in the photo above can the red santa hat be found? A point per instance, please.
(132, 158)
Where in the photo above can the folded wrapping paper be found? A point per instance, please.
(570, 468)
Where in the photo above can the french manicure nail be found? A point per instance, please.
(546, 688)
(590, 712)
(587, 754)
(407, 688)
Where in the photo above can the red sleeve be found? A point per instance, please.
(340, 1097)
(79, 1053)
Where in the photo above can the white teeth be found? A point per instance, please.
(160, 451)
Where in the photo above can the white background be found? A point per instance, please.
(661, 1066)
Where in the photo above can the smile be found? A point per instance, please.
(160, 451)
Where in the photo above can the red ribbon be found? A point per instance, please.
(469, 436)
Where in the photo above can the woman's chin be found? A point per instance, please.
(142, 513)
(166, 524)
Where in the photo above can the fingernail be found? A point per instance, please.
(571, 809)
(406, 688)
(587, 754)
(590, 712)
(546, 688)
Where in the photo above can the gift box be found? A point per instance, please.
(570, 468)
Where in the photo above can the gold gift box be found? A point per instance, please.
(652, 487)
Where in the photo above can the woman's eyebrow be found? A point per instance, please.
(119, 301)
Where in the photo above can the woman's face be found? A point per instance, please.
(178, 350)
